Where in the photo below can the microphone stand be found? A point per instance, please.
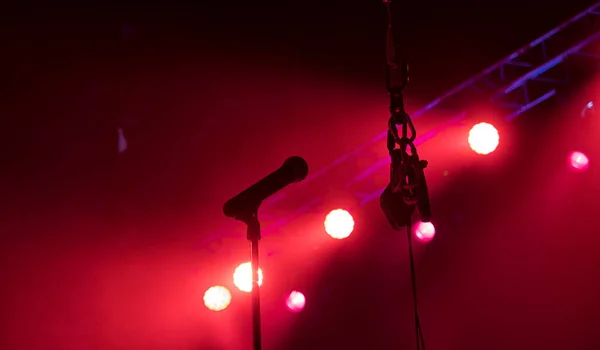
(244, 208)
(253, 235)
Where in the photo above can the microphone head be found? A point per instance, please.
(297, 166)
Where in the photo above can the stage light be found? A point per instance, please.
(484, 138)
(217, 298)
(242, 277)
(295, 301)
(339, 224)
(578, 160)
(425, 231)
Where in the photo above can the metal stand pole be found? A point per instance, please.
(253, 236)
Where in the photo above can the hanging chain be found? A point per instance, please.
(397, 79)
(403, 163)
(408, 188)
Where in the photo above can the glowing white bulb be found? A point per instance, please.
(339, 224)
(484, 138)
(242, 277)
(217, 298)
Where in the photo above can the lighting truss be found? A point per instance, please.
(515, 84)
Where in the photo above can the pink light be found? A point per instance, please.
(339, 224)
(484, 138)
(579, 161)
(425, 231)
(295, 301)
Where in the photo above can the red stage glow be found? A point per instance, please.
(425, 231)
(242, 277)
(484, 138)
(339, 224)
(579, 161)
(295, 301)
(217, 298)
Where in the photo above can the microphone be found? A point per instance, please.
(245, 204)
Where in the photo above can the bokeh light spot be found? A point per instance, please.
(339, 224)
(242, 277)
(578, 160)
(217, 298)
(484, 138)
(295, 301)
(425, 231)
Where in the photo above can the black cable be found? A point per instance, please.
(413, 278)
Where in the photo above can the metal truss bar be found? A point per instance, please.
(520, 83)
(356, 151)
(509, 105)
(483, 75)
(369, 171)
(419, 141)
(549, 64)
(548, 80)
(512, 56)
(519, 64)
(587, 54)
(369, 197)
(274, 227)
(466, 84)
(590, 11)
(366, 198)
(531, 104)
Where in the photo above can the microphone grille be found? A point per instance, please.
(297, 166)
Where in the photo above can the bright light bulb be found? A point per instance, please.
(217, 298)
(339, 224)
(484, 138)
(242, 277)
